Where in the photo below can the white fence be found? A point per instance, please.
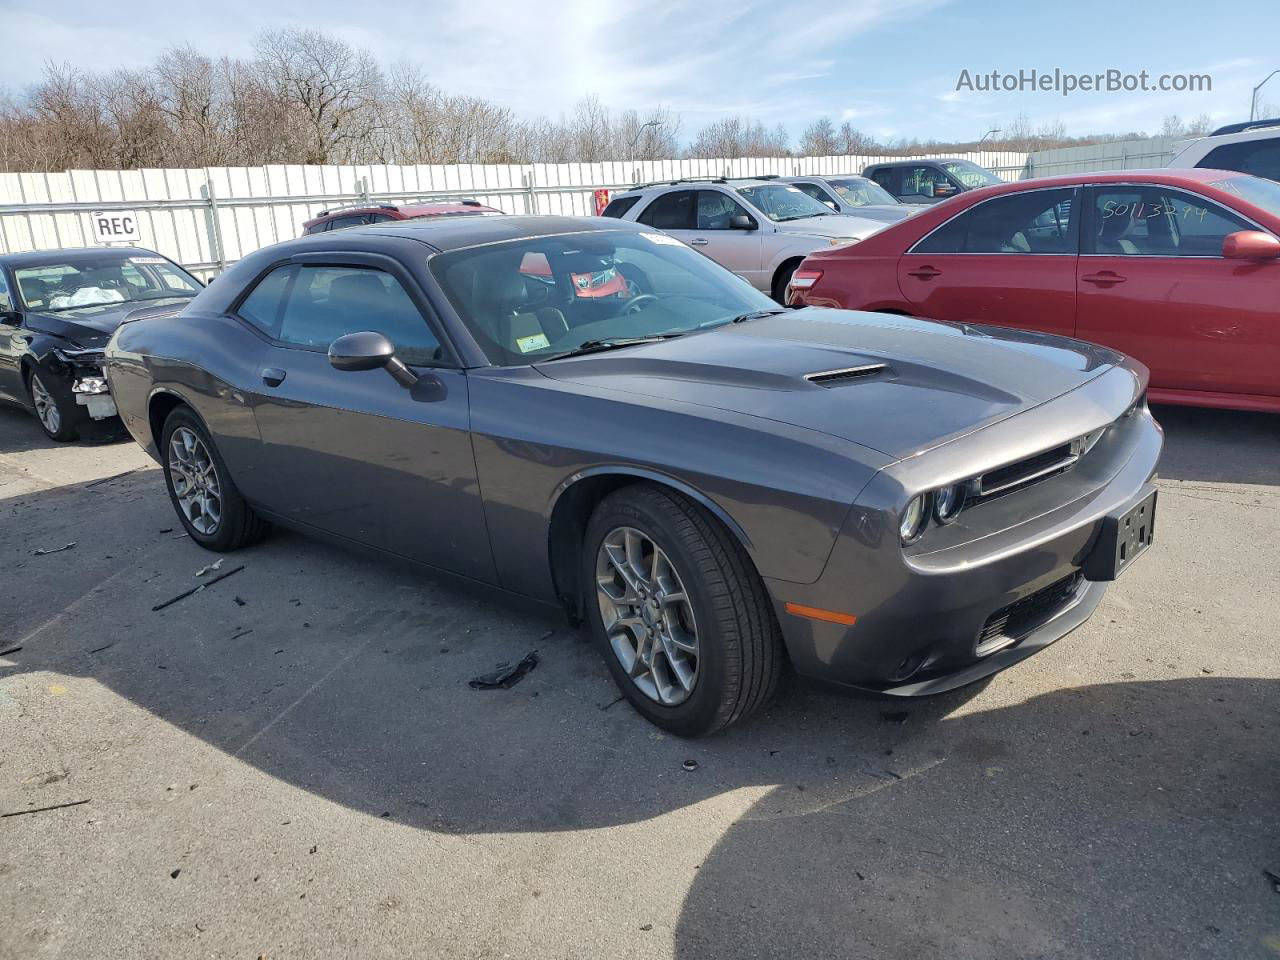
(208, 218)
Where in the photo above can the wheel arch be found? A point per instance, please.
(571, 507)
(788, 263)
(160, 404)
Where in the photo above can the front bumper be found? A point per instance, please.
(929, 621)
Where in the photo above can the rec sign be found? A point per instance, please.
(113, 226)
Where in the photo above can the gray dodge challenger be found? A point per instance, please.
(719, 488)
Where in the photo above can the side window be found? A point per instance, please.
(320, 227)
(378, 218)
(815, 191)
(325, 303)
(618, 208)
(922, 182)
(263, 304)
(337, 223)
(1159, 222)
(716, 209)
(1039, 221)
(888, 179)
(6, 301)
(1258, 157)
(670, 211)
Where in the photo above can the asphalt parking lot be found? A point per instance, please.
(290, 763)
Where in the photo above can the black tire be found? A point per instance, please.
(781, 280)
(741, 656)
(238, 525)
(70, 415)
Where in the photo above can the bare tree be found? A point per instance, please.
(819, 139)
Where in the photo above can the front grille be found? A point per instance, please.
(1040, 467)
(1010, 624)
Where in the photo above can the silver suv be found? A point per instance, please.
(854, 195)
(759, 229)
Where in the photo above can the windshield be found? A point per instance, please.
(1264, 194)
(91, 281)
(970, 174)
(861, 192)
(520, 315)
(780, 202)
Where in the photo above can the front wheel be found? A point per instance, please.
(678, 612)
(56, 409)
(203, 493)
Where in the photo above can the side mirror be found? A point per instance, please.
(743, 222)
(833, 205)
(10, 318)
(369, 350)
(1250, 245)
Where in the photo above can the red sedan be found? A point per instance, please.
(1180, 269)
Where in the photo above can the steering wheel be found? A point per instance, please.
(635, 303)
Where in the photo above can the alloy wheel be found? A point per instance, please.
(195, 481)
(647, 615)
(46, 407)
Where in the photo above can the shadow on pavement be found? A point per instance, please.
(1219, 446)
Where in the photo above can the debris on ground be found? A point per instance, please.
(506, 677)
(1273, 876)
(44, 553)
(211, 568)
(166, 529)
(894, 716)
(239, 601)
(9, 650)
(613, 702)
(56, 806)
(174, 874)
(102, 480)
(241, 633)
(690, 766)
(107, 646)
(195, 590)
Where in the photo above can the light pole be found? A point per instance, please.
(1253, 101)
(987, 134)
(634, 140)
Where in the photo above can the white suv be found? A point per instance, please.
(1251, 147)
(759, 229)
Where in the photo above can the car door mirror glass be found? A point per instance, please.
(742, 222)
(1250, 245)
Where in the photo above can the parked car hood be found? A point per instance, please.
(940, 380)
(849, 226)
(93, 326)
(884, 212)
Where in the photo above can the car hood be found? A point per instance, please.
(848, 226)
(940, 380)
(93, 326)
(884, 212)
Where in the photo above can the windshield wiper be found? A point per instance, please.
(758, 314)
(599, 346)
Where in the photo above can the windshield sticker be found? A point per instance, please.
(536, 342)
(662, 238)
(147, 260)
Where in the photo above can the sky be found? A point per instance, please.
(890, 67)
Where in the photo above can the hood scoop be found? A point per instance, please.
(837, 378)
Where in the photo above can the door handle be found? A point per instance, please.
(924, 273)
(698, 242)
(1103, 279)
(273, 376)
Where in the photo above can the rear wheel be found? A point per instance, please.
(203, 493)
(678, 612)
(782, 279)
(56, 409)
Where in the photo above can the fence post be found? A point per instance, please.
(214, 225)
(364, 191)
(531, 195)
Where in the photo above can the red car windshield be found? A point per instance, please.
(1264, 194)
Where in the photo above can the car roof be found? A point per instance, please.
(30, 258)
(907, 161)
(696, 183)
(1160, 175)
(454, 233)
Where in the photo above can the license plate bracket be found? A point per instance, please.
(1124, 537)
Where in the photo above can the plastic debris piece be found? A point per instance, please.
(507, 677)
(45, 553)
(690, 765)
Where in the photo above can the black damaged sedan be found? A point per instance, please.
(719, 488)
(58, 308)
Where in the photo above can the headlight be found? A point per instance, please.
(914, 518)
(948, 501)
(91, 384)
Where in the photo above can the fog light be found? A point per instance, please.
(90, 385)
(914, 518)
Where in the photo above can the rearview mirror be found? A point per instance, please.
(1250, 245)
(369, 350)
(742, 222)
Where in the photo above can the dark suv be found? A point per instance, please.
(379, 213)
(928, 181)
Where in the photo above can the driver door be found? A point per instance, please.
(11, 344)
(733, 248)
(355, 454)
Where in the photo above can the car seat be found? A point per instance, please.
(1113, 233)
